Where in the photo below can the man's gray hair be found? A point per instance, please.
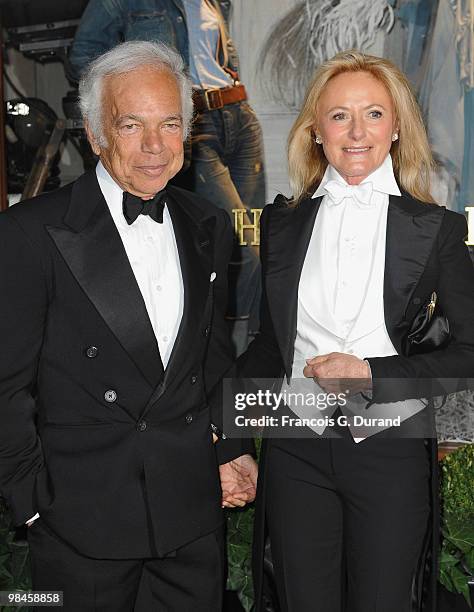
(123, 58)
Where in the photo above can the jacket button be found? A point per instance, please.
(189, 419)
(141, 425)
(193, 380)
(416, 301)
(92, 352)
(206, 331)
(179, 19)
(110, 396)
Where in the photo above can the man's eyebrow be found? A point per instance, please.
(128, 117)
(173, 118)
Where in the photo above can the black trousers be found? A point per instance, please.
(346, 522)
(190, 581)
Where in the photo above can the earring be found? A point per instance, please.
(318, 140)
(394, 137)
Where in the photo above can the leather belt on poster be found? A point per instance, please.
(212, 99)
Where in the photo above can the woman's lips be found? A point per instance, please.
(356, 150)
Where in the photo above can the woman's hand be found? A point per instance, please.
(336, 372)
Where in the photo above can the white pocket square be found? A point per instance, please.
(213, 277)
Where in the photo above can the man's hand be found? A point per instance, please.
(339, 372)
(238, 481)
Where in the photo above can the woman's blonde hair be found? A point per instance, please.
(411, 154)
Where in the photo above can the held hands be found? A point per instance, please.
(238, 481)
(339, 372)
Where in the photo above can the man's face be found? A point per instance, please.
(143, 125)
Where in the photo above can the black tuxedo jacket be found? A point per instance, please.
(115, 454)
(425, 252)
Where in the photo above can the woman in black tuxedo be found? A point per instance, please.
(347, 264)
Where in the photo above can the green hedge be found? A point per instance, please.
(14, 566)
(457, 498)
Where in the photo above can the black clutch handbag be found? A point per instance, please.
(429, 330)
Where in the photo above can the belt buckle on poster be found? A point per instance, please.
(213, 99)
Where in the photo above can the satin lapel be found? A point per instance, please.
(288, 235)
(412, 228)
(94, 253)
(195, 242)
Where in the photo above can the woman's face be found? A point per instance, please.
(356, 122)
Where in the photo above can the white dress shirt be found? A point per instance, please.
(340, 294)
(341, 285)
(153, 255)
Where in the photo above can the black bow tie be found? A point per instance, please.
(133, 206)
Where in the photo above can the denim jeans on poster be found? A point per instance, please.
(227, 167)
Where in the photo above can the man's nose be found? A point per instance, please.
(152, 141)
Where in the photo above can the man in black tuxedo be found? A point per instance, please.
(113, 334)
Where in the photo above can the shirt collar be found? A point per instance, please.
(112, 193)
(382, 179)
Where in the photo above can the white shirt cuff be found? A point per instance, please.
(30, 521)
